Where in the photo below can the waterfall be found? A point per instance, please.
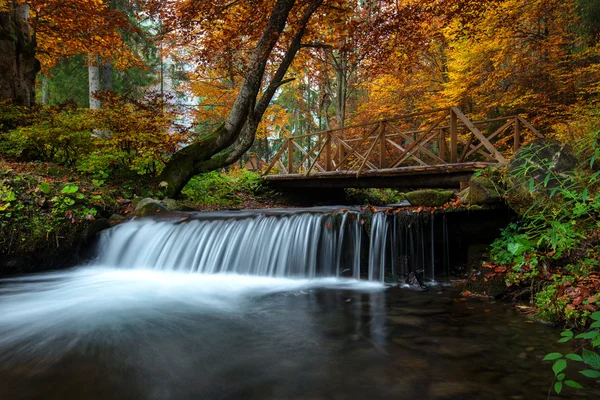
(280, 243)
(297, 244)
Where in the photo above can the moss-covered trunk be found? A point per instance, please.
(18, 65)
(234, 137)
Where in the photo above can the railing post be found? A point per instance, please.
(328, 163)
(442, 144)
(453, 137)
(290, 156)
(382, 146)
(517, 138)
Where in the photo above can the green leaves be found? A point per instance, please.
(552, 356)
(590, 373)
(591, 358)
(70, 189)
(558, 387)
(573, 384)
(574, 357)
(559, 366)
(45, 188)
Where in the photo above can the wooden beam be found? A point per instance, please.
(531, 128)
(308, 156)
(276, 158)
(382, 148)
(418, 141)
(328, 163)
(290, 156)
(486, 143)
(453, 137)
(493, 135)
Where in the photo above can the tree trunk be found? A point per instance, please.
(45, 90)
(18, 65)
(107, 76)
(94, 82)
(235, 136)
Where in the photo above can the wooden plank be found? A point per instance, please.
(356, 146)
(360, 157)
(417, 142)
(493, 135)
(309, 157)
(310, 151)
(431, 154)
(366, 158)
(442, 144)
(290, 156)
(382, 148)
(317, 157)
(486, 143)
(468, 144)
(276, 158)
(531, 128)
(328, 164)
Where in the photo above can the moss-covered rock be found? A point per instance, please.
(484, 191)
(149, 206)
(465, 196)
(429, 197)
(536, 168)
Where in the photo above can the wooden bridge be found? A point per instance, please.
(439, 148)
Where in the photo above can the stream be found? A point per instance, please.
(173, 309)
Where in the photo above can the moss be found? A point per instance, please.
(484, 191)
(375, 197)
(45, 222)
(429, 197)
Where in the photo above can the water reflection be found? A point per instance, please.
(101, 333)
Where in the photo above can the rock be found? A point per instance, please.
(465, 196)
(116, 219)
(539, 160)
(171, 204)
(149, 206)
(429, 197)
(484, 191)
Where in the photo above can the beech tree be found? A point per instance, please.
(35, 34)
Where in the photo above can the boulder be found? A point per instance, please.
(465, 196)
(149, 206)
(536, 169)
(171, 204)
(484, 191)
(429, 197)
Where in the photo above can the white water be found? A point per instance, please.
(303, 245)
(55, 311)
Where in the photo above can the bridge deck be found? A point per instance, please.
(430, 176)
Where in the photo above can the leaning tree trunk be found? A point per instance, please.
(18, 65)
(235, 136)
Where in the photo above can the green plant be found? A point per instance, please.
(583, 354)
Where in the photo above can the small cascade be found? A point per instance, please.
(295, 243)
(291, 245)
(401, 243)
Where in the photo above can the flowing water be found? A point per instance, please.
(262, 306)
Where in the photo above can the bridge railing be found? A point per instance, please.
(431, 138)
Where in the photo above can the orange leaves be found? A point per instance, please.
(68, 27)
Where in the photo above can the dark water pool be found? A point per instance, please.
(114, 334)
